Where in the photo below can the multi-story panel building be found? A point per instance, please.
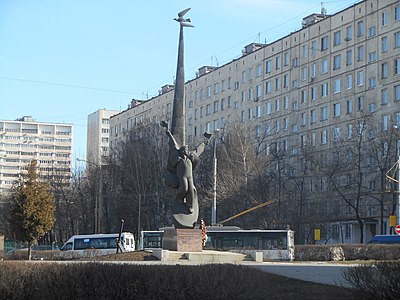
(24, 140)
(314, 86)
(98, 135)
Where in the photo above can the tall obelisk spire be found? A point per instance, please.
(178, 111)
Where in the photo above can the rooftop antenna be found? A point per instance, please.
(323, 9)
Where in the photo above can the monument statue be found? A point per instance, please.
(182, 161)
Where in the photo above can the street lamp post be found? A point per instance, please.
(214, 203)
(98, 200)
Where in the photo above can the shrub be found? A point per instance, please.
(377, 281)
(351, 252)
(46, 280)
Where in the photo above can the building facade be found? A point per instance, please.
(98, 133)
(312, 87)
(24, 140)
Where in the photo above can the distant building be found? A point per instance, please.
(24, 140)
(98, 135)
(311, 88)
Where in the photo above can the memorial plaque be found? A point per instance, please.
(182, 240)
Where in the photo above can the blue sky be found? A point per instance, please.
(62, 60)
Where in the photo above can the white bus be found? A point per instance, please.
(99, 244)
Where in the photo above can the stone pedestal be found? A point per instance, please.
(182, 240)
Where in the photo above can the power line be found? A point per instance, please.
(69, 85)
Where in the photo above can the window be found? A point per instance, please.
(372, 56)
(313, 48)
(336, 110)
(243, 98)
(372, 82)
(372, 107)
(216, 105)
(277, 84)
(259, 70)
(295, 62)
(397, 66)
(277, 62)
(268, 108)
(304, 73)
(277, 105)
(337, 38)
(285, 102)
(286, 59)
(258, 111)
(385, 123)
(349, 82)
(360, 53)
(251, 75)
(397, 93)
(372, 31)
(324, 43)
(268, 87)
(385, 18)
(324, 113)
(243, 76)
(268, 66)
(277, 126)
(349, 106)
(222, 104)
(360, 103)
(285, 81)
(208, 109)
(303, 96)
(349, 130)
(384, 96)
(336, 62)
(349, 33)
(258, 90)
(294, 106)
(216, 88)
(251, 94)
(349, 57)
(324, 66)
(397, 13)
(360, 78)
(285, 123)
(397, 39)
(313, 70)
(336, 87)
(303, 119)
(336, 133)
(223, 84)
(384, 44)
(313, 116)
(208, 91)
(313, 93)
(324, 137)
(360, 28)
(324, 90)
(384, 70)
(304, 51)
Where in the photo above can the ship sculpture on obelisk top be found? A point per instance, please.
(182, 161)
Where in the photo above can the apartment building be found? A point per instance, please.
(24, 140)
(313, 86)
(98, 135)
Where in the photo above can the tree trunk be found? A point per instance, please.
(29, 250)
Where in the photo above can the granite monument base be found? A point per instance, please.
(182, 240)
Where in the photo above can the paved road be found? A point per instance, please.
(319, 272)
